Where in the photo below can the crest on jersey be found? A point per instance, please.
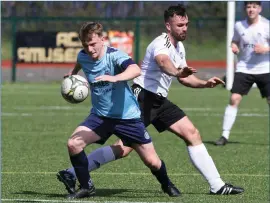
(181, 55)
(146, 135)
(174, 59)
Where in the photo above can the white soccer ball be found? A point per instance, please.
(74, 89)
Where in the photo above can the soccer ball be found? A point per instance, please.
(74, 89)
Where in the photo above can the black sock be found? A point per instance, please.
(80, 164)
(161, 175)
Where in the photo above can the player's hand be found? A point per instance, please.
(185, 72)
(108, 78)
(213, 82)
(259, 49)
(68, 74)
(235, 49)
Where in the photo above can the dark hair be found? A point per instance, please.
(252, 2)
(89, 28)
(179, 10)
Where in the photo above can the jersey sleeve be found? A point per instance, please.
(159, 47)
(236, 35)
(184, 63)
(122, 60)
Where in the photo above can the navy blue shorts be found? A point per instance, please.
(130, 131)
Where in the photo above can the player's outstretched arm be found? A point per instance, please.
(74, 71)
(168, 67)
(130, 73)
(213, 82)
(194, 82)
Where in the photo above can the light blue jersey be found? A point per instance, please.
(113, 100)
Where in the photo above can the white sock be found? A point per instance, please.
(205, 165)
(97, 158)
(228, 120)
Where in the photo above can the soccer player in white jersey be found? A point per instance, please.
(115, 110)
(251, 44)
(164, 59)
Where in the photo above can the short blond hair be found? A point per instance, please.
(88, 29)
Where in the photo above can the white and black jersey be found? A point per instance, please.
(152, 78)
(246, 36)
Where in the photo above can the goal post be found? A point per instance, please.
(230, 55)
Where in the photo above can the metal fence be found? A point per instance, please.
(204, 33)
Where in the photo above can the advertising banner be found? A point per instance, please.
(63, 47)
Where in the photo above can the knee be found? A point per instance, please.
(120, 151)
(235, 100)
(153, 164)
(193, 137)
(72, 146)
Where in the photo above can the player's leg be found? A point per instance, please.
(134, 134)
(80, 138)
(172, 118)
(150, 158)
(229, 118)
(93, 129)
(101, 156)
(197, 152)
(200, 158)
(263, 83)
(241, 86)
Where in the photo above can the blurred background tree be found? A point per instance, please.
(117, 9)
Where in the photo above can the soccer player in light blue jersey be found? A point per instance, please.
(115, 111)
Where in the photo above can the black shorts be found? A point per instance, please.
(156, 110)
(243, 82)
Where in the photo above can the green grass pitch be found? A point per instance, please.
(37, 121)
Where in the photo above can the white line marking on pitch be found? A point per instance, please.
(72, 201)
(16, 114)
(142, 174)
(31, 93)
(44, 107)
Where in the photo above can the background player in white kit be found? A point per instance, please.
(164, 55)
(251, 44)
